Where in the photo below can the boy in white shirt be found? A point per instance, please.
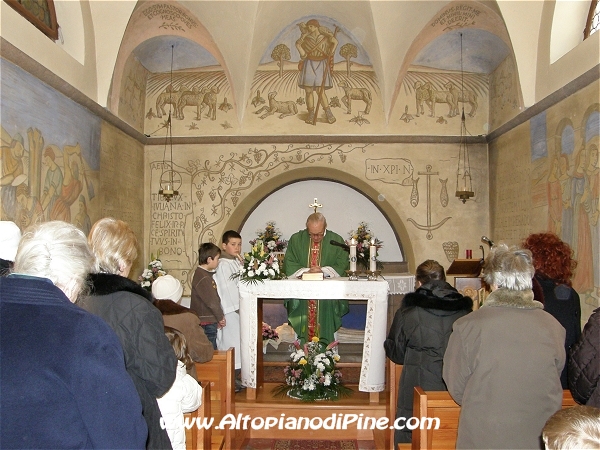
(229, 264)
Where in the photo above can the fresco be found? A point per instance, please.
(50, 153)
(195, 95)
(434, 91)
(565, 180)
(315, 77)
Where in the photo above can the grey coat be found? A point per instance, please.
(503, 365)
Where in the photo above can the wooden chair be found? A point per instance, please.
(197, 438)
(440, 404)
(220, 373)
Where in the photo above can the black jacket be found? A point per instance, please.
(418, 338)
(584, 364)
(149, 356)
(563, 303)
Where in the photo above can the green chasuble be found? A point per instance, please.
(330, 312)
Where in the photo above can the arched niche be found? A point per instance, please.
(254, 198)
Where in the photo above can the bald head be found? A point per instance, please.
(316, 218)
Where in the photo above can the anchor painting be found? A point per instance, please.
(414, 202)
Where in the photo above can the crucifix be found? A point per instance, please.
(315, 205)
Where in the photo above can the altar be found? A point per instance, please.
(372, 373)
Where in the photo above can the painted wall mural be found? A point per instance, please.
(195, 95)
(558, 184)
(315, 75)
(435, 91)
(50, 153)
(217, 178)
(566, 181)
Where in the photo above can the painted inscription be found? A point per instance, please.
(390, 170)
(170, 13)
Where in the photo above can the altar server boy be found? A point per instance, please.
(230, 264)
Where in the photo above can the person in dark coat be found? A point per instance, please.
(63, 383)
(419, 335)
(128, 309)
(554, 265)
(584, 364)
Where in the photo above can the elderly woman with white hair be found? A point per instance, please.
(64, 383)
(503, 362)
(128, 309)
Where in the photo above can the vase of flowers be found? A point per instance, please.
(269, 333)
(151, 273)
(363, 237)
(311, 374)
(271, 238)
(259, 265)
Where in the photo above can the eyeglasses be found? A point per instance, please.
(316, 235)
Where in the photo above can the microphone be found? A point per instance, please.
(339, 244)
(487, 240)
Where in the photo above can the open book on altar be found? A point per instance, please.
(312, 276)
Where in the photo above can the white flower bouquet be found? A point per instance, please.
(259, 265)
(312, 374)
(151, 273)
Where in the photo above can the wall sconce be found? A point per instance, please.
(168, 181)
(464, 186)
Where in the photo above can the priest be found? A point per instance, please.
(310, 250)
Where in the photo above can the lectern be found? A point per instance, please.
(466, 278)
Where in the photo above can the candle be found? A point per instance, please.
(353, 255)
(372, 256)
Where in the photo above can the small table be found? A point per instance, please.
(372, 372)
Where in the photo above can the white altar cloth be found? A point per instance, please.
(372, 372)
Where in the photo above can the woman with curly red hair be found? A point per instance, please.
(554, 265)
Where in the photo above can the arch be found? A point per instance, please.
(138, 31)
(246, 206)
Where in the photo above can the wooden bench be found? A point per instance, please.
(195, 437)
(441, 405)
(220, 373)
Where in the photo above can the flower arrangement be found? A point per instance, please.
(259, 265)
(269, 333)
(311, 374)
(363, 237)
(271, 238)
(151, 273)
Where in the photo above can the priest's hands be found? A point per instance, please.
(315, 269)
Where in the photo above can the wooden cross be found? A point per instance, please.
(315, 205)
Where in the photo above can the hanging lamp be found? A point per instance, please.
(168, 190)
(464, 185)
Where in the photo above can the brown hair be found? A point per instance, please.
(177, 340)
(552, 258)
(207, 250)
(430, 270)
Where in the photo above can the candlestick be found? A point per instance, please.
(353, 255)
(372, 256)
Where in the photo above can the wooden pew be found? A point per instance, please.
(196, 438)
(220, 372)
(440, 404)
